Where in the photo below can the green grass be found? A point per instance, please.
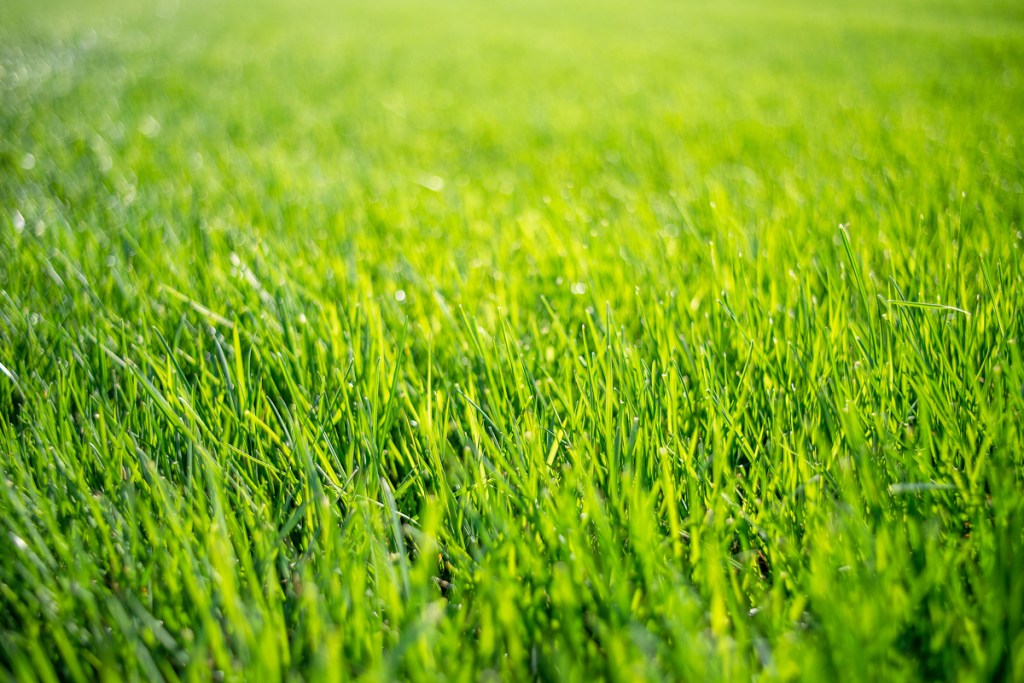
(522, 340)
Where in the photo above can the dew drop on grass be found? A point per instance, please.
(28, 162)
(149, 126)
(19, 221)
(433, 183)
(400, 296)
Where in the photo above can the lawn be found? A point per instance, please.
(575, 340)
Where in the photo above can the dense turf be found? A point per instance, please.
(559, 340)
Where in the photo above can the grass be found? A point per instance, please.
(519, 340)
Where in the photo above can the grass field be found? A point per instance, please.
(572, 341)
